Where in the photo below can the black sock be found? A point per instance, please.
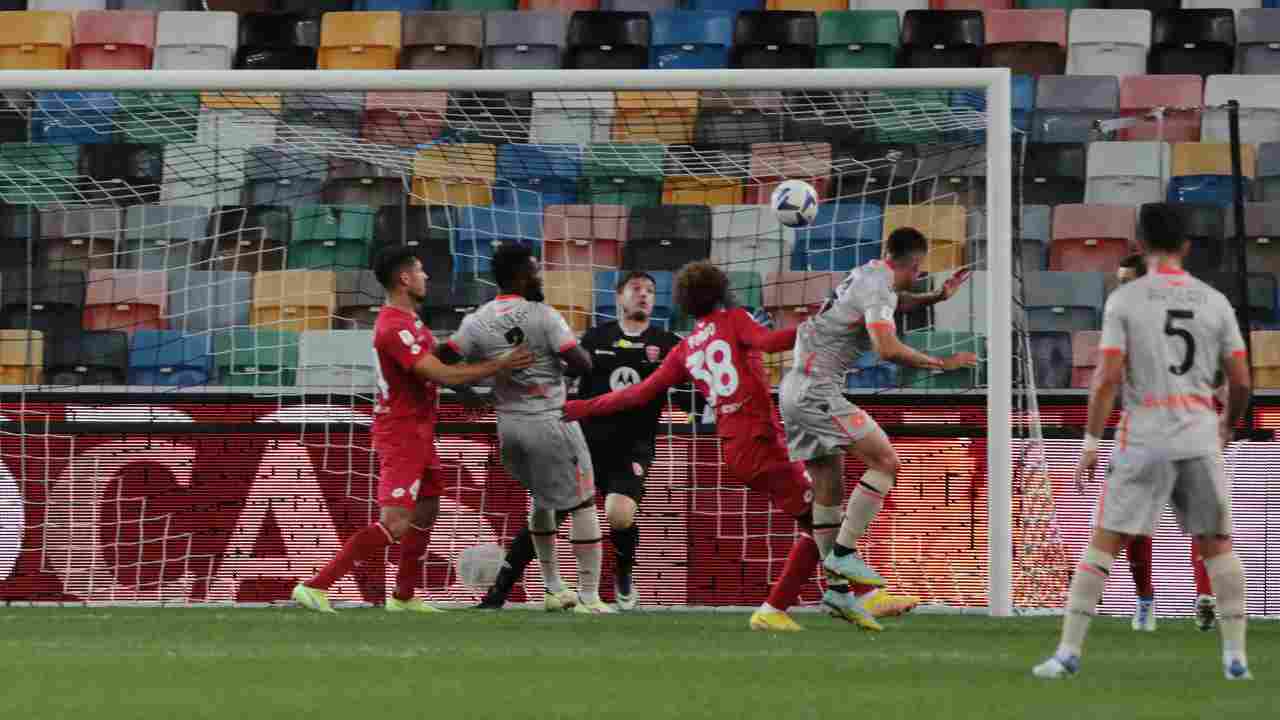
(841, 550)
(625, 542)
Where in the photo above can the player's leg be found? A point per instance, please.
(413, 545)
(584, 524)
(519, 554)
(542, 531)
(529, 455)
(620, 509)
(872, 446)
(1144, 612)
(1206, 605)
(789, 490)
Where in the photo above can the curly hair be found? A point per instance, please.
(700, 288)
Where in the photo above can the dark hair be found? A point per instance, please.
(1161, 227)
(1135, 262)
(906, 241)
(509, 261)
(391, 262)
(700, 287)
(627, 277)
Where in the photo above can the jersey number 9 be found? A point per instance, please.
(714, 368)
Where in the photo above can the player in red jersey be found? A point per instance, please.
(723, 359)
(409, 482)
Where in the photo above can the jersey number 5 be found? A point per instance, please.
(1174, 331)
(714, 368)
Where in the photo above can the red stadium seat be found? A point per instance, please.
(403, 119)
(792, 297)
(771, 163)
(1028, 42)
(1091, 238)
(970, 4)
(113, 40)
(584, 237)
(1140, 93)
(126, 300)
(1084, 356)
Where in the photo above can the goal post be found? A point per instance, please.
(990, 121)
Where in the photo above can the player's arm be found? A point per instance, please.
(908, 301)
(445, 366)
(885, 342)
(755, 336)
(1107, 379)
(1235, 366)
(670, 373)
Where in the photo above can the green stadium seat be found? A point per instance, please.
(858, 39)
(331, 237)
(623, 174)
(942, 343)
(249, 357)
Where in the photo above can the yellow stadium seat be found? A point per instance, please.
(359, 41)
(34, 40)
(295, 300)
(570, 292)
(1198, 158)
(235, 100)
(817, 6)
(21, 357)
(1266, 358)
(943, 225)
(459, 174)
(701, 190)
(665, 117)
(776, 365)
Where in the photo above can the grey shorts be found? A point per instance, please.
(549, 458)
(818, 419)
(1141, 482)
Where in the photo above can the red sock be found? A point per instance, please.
(860, 589)
(358, 547)
(801, 561)
(1140, 566)
(1203, 586)
(409, 573)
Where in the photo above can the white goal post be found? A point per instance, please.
(994, 83)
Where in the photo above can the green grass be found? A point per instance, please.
(234, 664)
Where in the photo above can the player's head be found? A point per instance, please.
(1162, 230)
(518, 272)
(906, 250)
(636, 293)
(701, 288)
(1131, 267)
(398, 269)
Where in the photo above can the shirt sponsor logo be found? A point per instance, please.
(407, 337)
(610, 353)
(623, 377)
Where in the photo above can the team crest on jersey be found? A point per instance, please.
(407, 338)
(652, 353)
(415, 348)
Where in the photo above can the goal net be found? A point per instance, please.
(187, 313)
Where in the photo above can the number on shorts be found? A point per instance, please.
(1172, 331)
(714, 368)
(515, 335)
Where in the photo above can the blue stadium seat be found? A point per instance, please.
(1024, 101)
(843, 236)
(401, 5)
(74, 118)
(532, 177)
(169, 359)
(480, 229)
(870, 372)
(690, 39)
(725, 5)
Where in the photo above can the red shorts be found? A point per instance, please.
(763, 465)
(408, 468)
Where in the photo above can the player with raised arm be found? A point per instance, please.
(822, 425)
(1164, 339)
(723, 359)
(544, 453)
(624, 352)
(404, 417)
(1139, 550)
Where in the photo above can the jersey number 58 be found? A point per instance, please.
(714, 368)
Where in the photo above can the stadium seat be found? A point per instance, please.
(731, 6)
(1258, 41)
(40, 174)
(18, 250)
(665, 237)
(460, 174)
(425, 228)
(21, 357)
(979, 5)
(1262, 294)
(843, 236)
(73, 6)
(565, 6)
(168, 358)
(73, 118)
(572, 118)
(278, 41)
(1023, 90)
(359, 41)
(255, 357)
(330, 237)
(1266, 187)
(200, 300)
(858, 39)
(1205, 227)
(1052, 358)
(1261, 235)
(944, 226)
(943, 342)
(623, 174)
(164, 237)
(403, 119)
(357, 182)
(1149, 5)
(649, 6)
(294, 300)
(1091, 238)
(1067, 106)
(1108, 42)
(749, 238)
(691, 39)
(1033, 236)
(584, 237)
(1181, 95)
(1029, 42)
(86, 357)
(443, 41)
(965, 311)
(35, 40)
(475, 5)
(279, 175)
(324, 114)
(884, 172)
(239, 6)
(792, 297)
(708, 190)
(529, 40)
(570, 292)
(1053, 173)
(336, 359)
(126, 300)
(1202, 173)
(602, 40)
(734, 130)
(942, 38)
(113, 40)
(773, 163)
(196, 175)
(774, 39)
(448, 303)
(1259, 99)
(667, 117)
(1063, 301)
(121, 173)
(1084, 357)
(1265, 358)
(44, 300)
(358, 297)
(81, 239)
(248, 239)
(869, 372)
(818, 7)
(956, 170)
(530, 177)
(605, 293)
(479, 230)
(1192, 42)
(1127, 173)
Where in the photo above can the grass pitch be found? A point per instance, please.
(242, 664)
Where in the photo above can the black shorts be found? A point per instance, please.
(621, 472)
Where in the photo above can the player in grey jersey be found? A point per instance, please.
(821, 424)
(1164, 338)
(546, 455)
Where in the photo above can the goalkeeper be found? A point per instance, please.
(623, 352)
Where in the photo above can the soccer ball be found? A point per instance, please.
(796, 203)
(478, 565)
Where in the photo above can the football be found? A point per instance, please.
(796, 203)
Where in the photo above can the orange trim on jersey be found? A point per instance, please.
(1169, 270)
(1186, 402)
(1239, 353)
(1111, 350)
(568, 346)
(808, 363)
(509, 297)
(1122, 437)
(884, 325)
(453, 346)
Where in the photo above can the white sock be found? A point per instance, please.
(1227, 575)
(864, 503)
(767, 608)
(826, 522)
(542, 530)
(1082, 599)
(584, 533)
